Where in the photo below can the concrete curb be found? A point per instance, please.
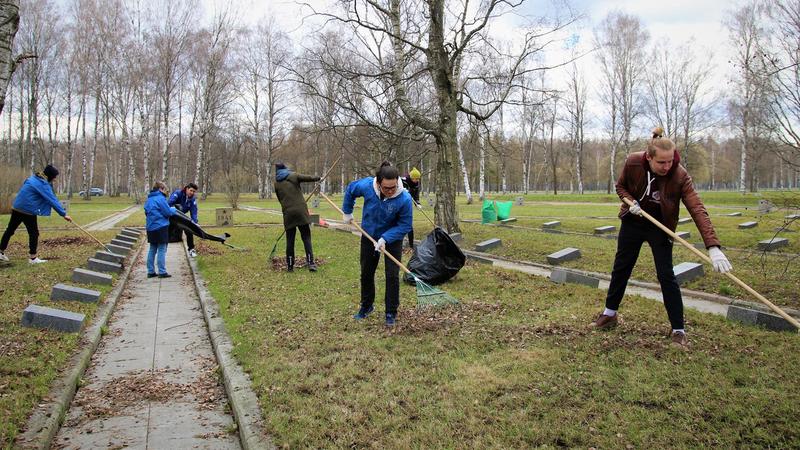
(243, 400)
(643, 284)
(43, 424)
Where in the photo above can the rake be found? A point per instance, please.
(91, 236)
(733, 277)
(427, 295)
(316, 188)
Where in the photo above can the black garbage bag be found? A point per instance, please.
(436, 259)
(180, 221)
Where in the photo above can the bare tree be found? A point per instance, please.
(621, 43)
(428, 42)
(9, 24)
(577, 120)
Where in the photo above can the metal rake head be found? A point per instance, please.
(428, 295)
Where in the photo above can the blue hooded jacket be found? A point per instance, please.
(36, 197)
(184, 203)
(282, 174)
(157, 211)
(390, 218)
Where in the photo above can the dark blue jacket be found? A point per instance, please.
(157, 211)
(184, 203)
(390, 218)
(36, 197)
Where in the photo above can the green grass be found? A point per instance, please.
(82, 212)
(30, 359)
(513, 367)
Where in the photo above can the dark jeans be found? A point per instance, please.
(411, 238)
(30, 224)
(369, 263)
(189, 239)
(305, 235)
(631, 237)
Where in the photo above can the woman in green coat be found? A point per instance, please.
(295, 212)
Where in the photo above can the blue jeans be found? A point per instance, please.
(161, 250)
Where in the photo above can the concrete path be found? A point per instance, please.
(153, 382)
(108, 222)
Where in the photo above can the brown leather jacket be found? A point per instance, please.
(673, 187)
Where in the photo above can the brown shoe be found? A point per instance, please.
(605, 322)
(680, 340)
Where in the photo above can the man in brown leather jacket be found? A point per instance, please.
(656, 183)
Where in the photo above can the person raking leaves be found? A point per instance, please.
(295, 213)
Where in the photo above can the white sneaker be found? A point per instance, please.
(3, 257)
(37, 260)
(193, 253)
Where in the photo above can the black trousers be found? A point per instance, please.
(189, 239)
(369, 263)
(631, 237)
(411, 238)
(30, 224)
(305, 235)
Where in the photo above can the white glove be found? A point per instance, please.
(718, 260)
(419, 206)
(347, 218)
(380, 245)
(635, 208)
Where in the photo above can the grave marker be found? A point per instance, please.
(565, 276)
(605, 229)
(488, 244)
(773, 243)
(36, 316)
(567, 254)
(73, 293)
(110, 257)
(746, 225)
(683, 220)
(688, 271)
(749, 316)
(90, 277)
(98, 265)
(224, 217)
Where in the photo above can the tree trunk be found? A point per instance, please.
(464, 173)
(743, 165)
(9, 24)
(482, 169)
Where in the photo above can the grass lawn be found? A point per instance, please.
(30, 359)
(514, 367)
(82, 212)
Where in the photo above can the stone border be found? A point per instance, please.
(242, 398)
(45, 421)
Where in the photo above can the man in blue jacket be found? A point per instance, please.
(185, 201)
(35, 198)
(387, 217)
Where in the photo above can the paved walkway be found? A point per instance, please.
(153, 381)
(108, 222)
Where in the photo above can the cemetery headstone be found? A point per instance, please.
(565, 276)
(36, 316)
(488, 244)
(746, 225)
(110, 257)
(605, 229)
(73, 293)
(684, 220)
(684, 234)
(755, 317)
(520, 201)
(90, 277)
(98, 265)
(315, 202)
(224, 217)
(773, 243)
(567, 254)
(688, 271)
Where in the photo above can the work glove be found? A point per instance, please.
(347, 218)
(68, 218)
(419, 206)
(718, 260)
(635, 208)
(380, 245)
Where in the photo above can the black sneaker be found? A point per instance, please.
(391, 319)
(152, 275)
(164, 275)
(363, 313)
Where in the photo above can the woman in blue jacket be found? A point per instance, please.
(35, 198)
(157, 213)
(387, 217)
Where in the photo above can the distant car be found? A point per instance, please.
(95, 191)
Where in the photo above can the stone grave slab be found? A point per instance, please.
(520, 201)
(98, 265)
(133, 230)
(73, 293)
(126, 238)
(85, 276)
(688, 271)
(315, 202)
(488, 244)
(110, 257)
(734, 214)
(683, 220)
(565, 276)
(118, 249)
(36, 316)
(224, 217)
(314, 219)
(564, 255)
(773, 243)
(509, 220)
(747, 225)
(749, 316)
(129, 234)
(456, 237)
(122, 243)
(684, 234)
(793, 217)
(551, 225)
(605, 229)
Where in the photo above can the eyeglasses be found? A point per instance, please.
(389, 188)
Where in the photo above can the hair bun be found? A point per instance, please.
(386, 164)
(658, 132)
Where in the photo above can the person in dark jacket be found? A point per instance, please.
(157, 213)
(411, 184)
(185, 201)
(295, 213)
(35, 198)
(656, 183)
(387, 216)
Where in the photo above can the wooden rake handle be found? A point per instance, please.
(318, 185)
(705, 258)
(364, 233)
(90, 235)
(419, 207)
